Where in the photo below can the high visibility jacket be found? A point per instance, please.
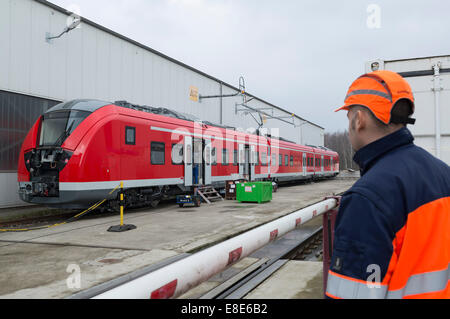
(392, 232)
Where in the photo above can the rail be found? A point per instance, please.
(177, 278)
(244, 282)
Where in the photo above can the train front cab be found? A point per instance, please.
(43, 155)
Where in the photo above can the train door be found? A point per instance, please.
(316, 164)
(321, 164)
(198, 169)
(187, 161)
(304, 164)
(253, 161)
(247, 163)
(331, 164)
(241, 160)
(207, 162)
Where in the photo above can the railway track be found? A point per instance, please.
(308, 246)
(64, 214)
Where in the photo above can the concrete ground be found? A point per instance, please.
(47, 263)
(294, 280)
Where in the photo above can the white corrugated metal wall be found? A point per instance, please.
(422, 86)
(90, 62)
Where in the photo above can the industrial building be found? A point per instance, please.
(429, 78)
(41, 65)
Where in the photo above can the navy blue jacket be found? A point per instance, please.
(397, 178)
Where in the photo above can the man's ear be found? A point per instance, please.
(360, 120)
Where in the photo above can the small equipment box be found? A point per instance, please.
(230, 188)
(189, 199)
(259, 192)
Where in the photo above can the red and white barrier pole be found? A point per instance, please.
(177, 278)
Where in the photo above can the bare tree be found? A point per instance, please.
(339, 142)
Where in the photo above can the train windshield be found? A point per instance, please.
(57, 126)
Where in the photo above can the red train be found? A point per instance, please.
(78, 151)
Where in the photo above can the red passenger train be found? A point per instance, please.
(78, 151)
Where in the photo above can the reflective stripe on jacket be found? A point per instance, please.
(392, 233)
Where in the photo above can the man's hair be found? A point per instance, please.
(402, 108)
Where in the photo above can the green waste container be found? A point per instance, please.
(254, 192)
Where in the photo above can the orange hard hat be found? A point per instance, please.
(379, 91)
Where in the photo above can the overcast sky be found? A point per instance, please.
(299, 55)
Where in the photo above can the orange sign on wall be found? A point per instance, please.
(193, 93)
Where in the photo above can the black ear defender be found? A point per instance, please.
(402, 120)
(401, 112)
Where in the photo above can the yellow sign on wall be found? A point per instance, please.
(193, 93)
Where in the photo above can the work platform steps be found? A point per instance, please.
(209, 193)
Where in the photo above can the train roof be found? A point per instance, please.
(168, 112)
(188, 117)
(91, 105)
(88, 105)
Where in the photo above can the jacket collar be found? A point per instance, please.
(369, 154)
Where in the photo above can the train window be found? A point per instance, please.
(130, 135)
(286, 160)
(304, 161)
(280, 160)
(207, 155)
(235, 157)
(274, 159)
(292, 160)
(264, 158)
(213, 156)
(157, 153)
(189, 154)
(224, 156)
(177, 154)
(257, 158)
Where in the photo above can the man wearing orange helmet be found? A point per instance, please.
(392, 233)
